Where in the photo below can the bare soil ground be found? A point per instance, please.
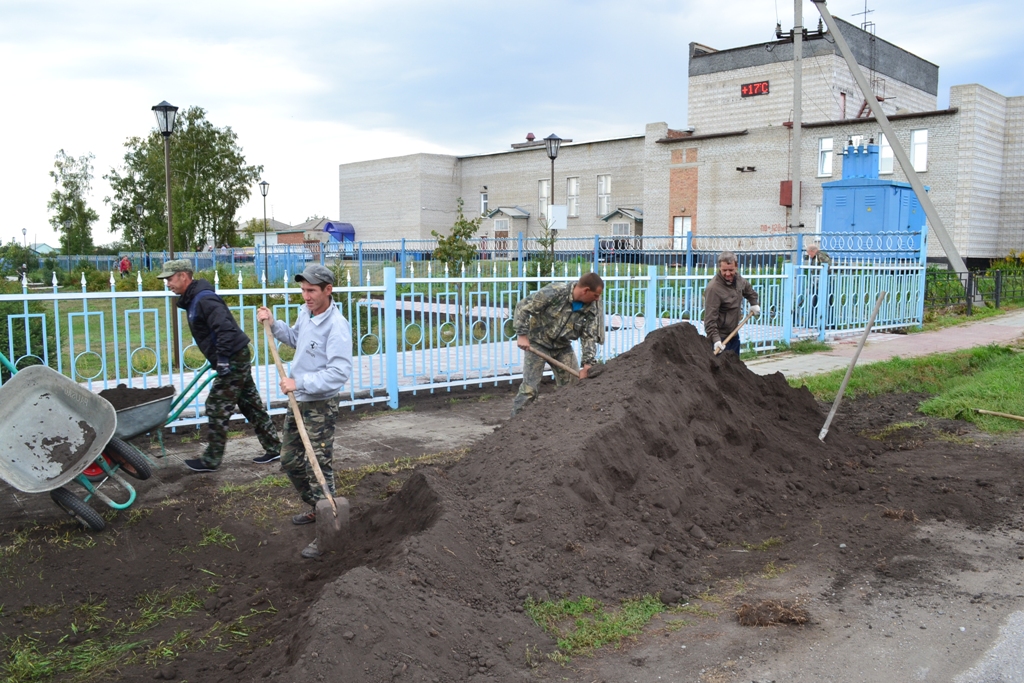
(671, 473)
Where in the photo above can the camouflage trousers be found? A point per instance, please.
(319, 418)
(533, 372)
(227, 391)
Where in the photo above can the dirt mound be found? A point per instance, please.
(123, 396)
(615, 487)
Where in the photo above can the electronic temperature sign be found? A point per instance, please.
(751, 89)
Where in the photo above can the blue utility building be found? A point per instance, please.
(886, 212)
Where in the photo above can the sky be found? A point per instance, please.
(312, 84)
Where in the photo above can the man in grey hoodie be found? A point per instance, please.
(322, 339)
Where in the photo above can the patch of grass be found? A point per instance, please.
(14, 542)
(159, 605)
(584, 625)
(136, 515)
(345, 481)
(941, 319)
(235, 434)
(217, 536)
(766, 544)
(89, 661)
(696, 610)
(260, 501)
(774, 571)
(894, 428)
(194, 436)
(933, 374)
(999, 388)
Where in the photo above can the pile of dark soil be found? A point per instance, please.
(619, 486)
(123, 396)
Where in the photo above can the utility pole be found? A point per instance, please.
(798, 77)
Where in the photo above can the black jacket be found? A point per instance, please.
(213, 327)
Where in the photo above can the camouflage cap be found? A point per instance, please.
(180, 265)
(316, 275)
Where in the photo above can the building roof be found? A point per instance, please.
(632, 214)
(871, 52)
(510, 211)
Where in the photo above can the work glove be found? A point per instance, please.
(223, 367)
(719, 347)
(755, 310)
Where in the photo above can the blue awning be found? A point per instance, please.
(340, 231)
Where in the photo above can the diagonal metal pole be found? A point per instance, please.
(897, 149)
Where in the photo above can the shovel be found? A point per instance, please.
(554, 363)
(327, 534)
(736, 331)
(992, 412)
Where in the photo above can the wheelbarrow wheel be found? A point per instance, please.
(130, 460)
(78, 508)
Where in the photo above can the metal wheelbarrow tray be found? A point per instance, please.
(51, 429)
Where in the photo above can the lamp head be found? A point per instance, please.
(165, 118)
(264, 188)
(552, 142)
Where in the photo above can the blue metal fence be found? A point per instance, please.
(426, 329)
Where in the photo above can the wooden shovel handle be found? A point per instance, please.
(1008, 416)
(736, 331)
(310, 455)
(554, 363)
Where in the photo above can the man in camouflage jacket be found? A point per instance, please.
(549, 320)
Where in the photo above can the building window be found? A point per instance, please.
(884, 155)
(572, 196)
(824, 157)
(620, 229)
(604, 195)
(817, 219)
(543, 197)
(919, 150)
(483, 203)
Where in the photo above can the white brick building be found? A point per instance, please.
(722, 174)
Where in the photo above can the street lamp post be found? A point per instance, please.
(165, 124)
(264, 189)
(552, 142)
(24, 236)
(142, 237)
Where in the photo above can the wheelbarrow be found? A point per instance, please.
(53, 429)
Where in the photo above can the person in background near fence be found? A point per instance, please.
(322, 340)
(549, 320)
(817, 255)
(722, 300)
(224, 344)
(125, 267)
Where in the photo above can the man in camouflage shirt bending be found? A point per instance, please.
(549, 320)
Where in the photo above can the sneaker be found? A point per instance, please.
(304, 518)
(311, 551)
(267, 457)
(198, 465)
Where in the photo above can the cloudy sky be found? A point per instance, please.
(308, 85)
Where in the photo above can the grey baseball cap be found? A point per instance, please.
(180, 265)
(316, 275)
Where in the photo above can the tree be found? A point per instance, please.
(72, 217)
(209, 182)
(455, 249)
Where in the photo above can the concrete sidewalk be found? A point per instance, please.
(880, 346)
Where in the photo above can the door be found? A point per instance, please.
(680, 230)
